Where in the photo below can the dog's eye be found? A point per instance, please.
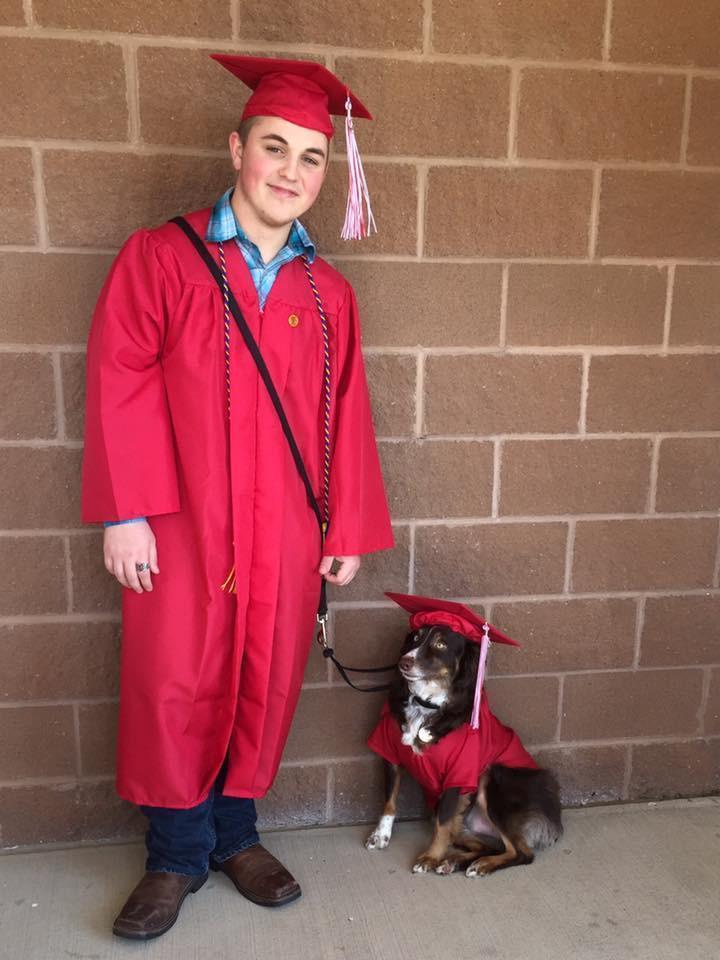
(439, 644)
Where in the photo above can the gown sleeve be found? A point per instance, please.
(129, 467)
(359, 517)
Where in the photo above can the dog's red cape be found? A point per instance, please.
(204, 672)
(458, 760)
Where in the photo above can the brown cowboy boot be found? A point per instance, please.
(153, 906)
(260, 877)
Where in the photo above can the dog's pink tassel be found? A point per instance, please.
(358, 223)
(484, 645)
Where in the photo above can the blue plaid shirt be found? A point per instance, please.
(223, 226)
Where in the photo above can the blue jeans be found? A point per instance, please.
(184, 841)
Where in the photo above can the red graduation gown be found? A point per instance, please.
(205, 673)
(458, 760)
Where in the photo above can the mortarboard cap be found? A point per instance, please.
(307, 93)
(298, 91)
(447, 613)
(428, 611)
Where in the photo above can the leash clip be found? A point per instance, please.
(322, 637)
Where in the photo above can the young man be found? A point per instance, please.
(187, 463)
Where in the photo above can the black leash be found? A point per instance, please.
(250, 342)
(329, 654)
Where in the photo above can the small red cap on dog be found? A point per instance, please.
(427, 611)
(447, 613)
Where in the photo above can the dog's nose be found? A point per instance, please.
(405, 663)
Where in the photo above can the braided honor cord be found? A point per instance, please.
(327, 394)
(226, 323)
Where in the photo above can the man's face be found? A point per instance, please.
(280, 171)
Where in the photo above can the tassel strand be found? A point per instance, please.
(359, 219)
(484, 644)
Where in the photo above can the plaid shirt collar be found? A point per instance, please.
(224, 226)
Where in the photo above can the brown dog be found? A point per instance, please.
(486, 820)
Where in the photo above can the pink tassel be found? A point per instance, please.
(484, 645)
(358, 223)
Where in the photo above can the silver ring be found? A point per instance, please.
(142, 567)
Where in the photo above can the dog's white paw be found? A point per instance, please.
(445, 867)
(478, 869)
(377, 840)
(424, 864)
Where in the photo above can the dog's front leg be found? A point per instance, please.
(447, 809)
(380, 837)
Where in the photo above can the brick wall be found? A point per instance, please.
(542, 332)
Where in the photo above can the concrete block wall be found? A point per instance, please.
(542, 333)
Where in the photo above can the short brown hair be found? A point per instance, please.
(244, 128)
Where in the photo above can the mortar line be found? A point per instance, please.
(650, 507)
(41, 219)
(560, 697)
(319, 49)
(59, 397)
(76, 727)
(687, 112)
(329, 793)
(569, 556)
(427, 26)
(531, 598)
(584, 394)
(68, 574)
(418, 431)
(513, 112)
(594, 223)
(704, 697)
(497, 475)
(627, 773)
(421, 185)
(132, 84)
(235, 19)
(607, 31)
(504, 288)
(716, 573)
(639, 627)
(411, 559)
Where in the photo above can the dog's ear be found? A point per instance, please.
(463, 688)
(467, 669)
(399, 691)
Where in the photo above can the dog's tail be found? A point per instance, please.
(525, 803)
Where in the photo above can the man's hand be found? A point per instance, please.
(349, 566)
(126, 544)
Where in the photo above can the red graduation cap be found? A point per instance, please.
(299, 91)
(306, 93)
(427, 611)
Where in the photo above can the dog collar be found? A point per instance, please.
(428, 704)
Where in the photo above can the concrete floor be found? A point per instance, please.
(640, 882)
